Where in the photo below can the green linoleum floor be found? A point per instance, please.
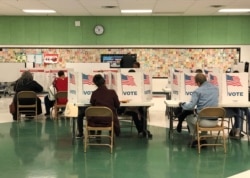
(44, 149)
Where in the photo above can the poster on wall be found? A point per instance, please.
(157, 61)
(21, 57)
(50, 58)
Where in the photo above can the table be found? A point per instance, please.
(167, 91)
(145, 106)
(171, 104)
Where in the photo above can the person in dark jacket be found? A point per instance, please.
(127, 61)
(102, 96)
(26, 83)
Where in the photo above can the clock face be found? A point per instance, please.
(99, 29)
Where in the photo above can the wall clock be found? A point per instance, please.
(99, 29)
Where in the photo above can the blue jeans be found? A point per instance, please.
(238, 115)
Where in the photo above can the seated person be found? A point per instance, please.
(27, 83)
(136, 113)
(80, 117)
(60, 84)
(182, 114)
(238, 114)
(127, 61)
(204, 96)
(102, 96)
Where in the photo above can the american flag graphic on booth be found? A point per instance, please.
(72, 79)
(175, 79)
(106, 77)
(189, 80)
(87, 79)
(127, 80)
(233, 80)
(213, 80)
(146, 79)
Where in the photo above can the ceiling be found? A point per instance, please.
(97, 7)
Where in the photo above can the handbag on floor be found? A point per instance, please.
(52, 93)
(12, 108)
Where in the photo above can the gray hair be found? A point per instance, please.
(26, 77)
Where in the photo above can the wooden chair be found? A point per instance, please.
(211, 113)
(94, 114)
(57, 106)
(26, 104)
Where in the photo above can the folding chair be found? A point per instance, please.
(99, 118)
(59, 95)
(26, 104)
(211, 113)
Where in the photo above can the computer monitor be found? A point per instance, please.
(113, 59)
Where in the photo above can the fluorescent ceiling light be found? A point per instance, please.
(234, 10)
(136, 11)
(38, 11)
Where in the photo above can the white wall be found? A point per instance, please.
(245, 53)
(158, 84)
(10, 72)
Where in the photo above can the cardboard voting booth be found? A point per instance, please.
(50, 75)
(81, 86)
(106, 75)
(72, 87)
(45, 77)
(129, 86)
(215, 79)
(176, 70)
(234, 88)
(86, 86)
(212, 70)
(183, 84)
(132, 86)
(147, 82)
(175, 79)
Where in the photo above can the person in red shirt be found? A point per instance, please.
(61, 84)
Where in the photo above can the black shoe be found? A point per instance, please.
(231, 133)
(194, 144)
(140, 134)
(203, 142)
(78, 136)
(179, 127)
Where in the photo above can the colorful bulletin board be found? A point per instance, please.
(156, 60)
